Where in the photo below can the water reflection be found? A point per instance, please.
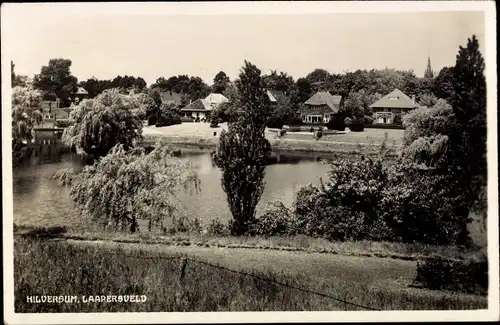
(38, 197)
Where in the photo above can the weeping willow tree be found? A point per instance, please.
(125, 186)
(104, 121)
(26, 115)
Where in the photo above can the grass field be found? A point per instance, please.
(368, 136)
(105, 268)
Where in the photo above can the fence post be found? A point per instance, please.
(182, 270)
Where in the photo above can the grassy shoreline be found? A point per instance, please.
(389, 250)
(285, 145)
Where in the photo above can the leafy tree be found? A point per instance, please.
(428, 100)
(55, 79)
(95, 86)
(197, 88)
(220, 82)
(25, 116)
(127, 83)
(301, 91)
(103, 122)
(443, 84)
(160, 83)
(469, 107)
(16, 80)
(126, 186)
(357, 104)
(243, 150)
(278, 81)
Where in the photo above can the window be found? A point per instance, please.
(393, 98)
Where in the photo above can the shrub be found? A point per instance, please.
(357, 126)
(336, 123)
(168, 118)
(347, 121)
(368, 119)
(197, 119)
(64, 123)
(311, 130)
(462, 276)
(295, 121)
(398, 120)
(214, 124)
(152, 119)
(219, 120)
(187, 119)
(276, 221)
(281, 133)
(218, 228)
(275, 122)
(184, 225)
(319, 134)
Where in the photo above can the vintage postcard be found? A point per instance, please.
(242, 162)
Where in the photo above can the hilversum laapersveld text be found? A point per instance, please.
(50, 299)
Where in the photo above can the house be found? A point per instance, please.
(80, 94)
(52, 111)
(200, 108)
(391, 105)
(215, 99)
(171, 97)
(320, 107)
(49, 107)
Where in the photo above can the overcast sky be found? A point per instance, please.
(104, 46)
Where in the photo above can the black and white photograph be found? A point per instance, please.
(187, 162)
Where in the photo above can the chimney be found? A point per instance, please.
(413, 98)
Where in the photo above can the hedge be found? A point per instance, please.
(461, 276)
(384, 126)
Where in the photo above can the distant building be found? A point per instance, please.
(321, 107)
(52, 111)
(200, 108)
(429, 74)
(388, 107)
(215, 99)
(80, 94)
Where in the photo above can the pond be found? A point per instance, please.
(40, 200)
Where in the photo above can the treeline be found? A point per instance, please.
(359, 88)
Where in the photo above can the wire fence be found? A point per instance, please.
(186, 259)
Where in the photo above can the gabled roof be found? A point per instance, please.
(169, 96)
(279, 95)
(395, 99)
(325, 98)
(199, 105)
(216, 98)
(81, 91)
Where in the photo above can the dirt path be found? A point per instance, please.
(373, 272)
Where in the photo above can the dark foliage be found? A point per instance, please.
(294, 121)
(462, 276)
(168, 118)
(243, 150)
(398, 120)
(337, 122)
(357, 126)
(63, 123)
(275, 122)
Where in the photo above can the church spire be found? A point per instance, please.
(428, 72)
